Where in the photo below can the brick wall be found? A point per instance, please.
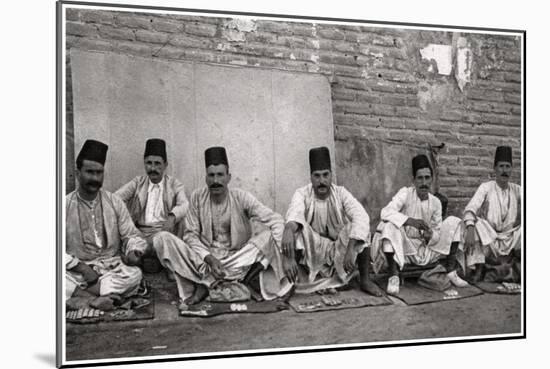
(382, 87)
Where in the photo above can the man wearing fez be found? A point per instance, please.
(492, 221)
(411, 231)
(102, 244)
(156, 201)
(219, 242)
(326, 233)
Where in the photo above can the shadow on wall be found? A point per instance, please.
(374, 170)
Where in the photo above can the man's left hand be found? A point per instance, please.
(169, 223)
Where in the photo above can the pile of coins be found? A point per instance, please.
(238, 307)
(451, 294)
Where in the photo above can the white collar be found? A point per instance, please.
(151, 184)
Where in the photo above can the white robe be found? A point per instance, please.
(495, 214)
(407, 243)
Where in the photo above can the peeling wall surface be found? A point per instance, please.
(393, 91)
(441, 55)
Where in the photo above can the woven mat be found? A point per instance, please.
(413, 294)
(340, 300)
(499, 288)
(140, 307)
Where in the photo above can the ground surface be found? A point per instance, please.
(168, 333)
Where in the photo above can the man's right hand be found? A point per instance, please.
(87, 272)
(469, 239)
(289, 239)
(215, 266)
(417, 223)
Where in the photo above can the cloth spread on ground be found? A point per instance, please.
(498, 288)
(139, 307)
(302, 303)
(414, 294)
(207, 309)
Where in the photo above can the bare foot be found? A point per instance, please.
(200, 294)
(371, 288)
(456, 280)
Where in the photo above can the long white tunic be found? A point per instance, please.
(407, 243)
(495, 212)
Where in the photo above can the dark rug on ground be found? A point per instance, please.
(139, 307)
(500, 288)
(413, 294)
(207, 309)
(134, 308)
(348, 299)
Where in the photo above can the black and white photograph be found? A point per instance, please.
(274, 184)
(240, 183)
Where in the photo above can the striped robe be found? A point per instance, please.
(324, 246)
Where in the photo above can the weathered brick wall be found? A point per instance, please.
(382, 88)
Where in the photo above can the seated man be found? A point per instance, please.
(411, 230)
(219, 245)
(156, 201)
(492, 221)
(102, 244)
(326, 233)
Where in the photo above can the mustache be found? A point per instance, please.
(424, 187)
(153, 172)
(94, 183)
(505, 175)
(216, 185)
(322, 186)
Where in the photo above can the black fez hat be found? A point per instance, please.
(419, 162)
(155, 146)
(503, 153)
(215, 156)
(319, 159)
(93, 150)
